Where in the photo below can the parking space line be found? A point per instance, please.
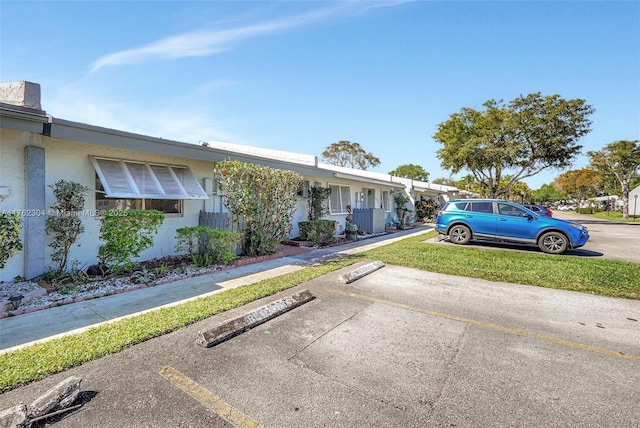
(497, 327)
(208, 399)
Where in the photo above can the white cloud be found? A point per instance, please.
(185, 122)
(204, 43)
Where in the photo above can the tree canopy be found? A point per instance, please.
(520, 138)
(352, 155)
(414, 172)
(548, 194)
(580, 184)
(620, 159)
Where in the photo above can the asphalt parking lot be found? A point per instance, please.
(397, 348)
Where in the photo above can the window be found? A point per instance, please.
(123, 185)
(339, 199)
(129, 179)
(385, 200)
(303, 189)
(482, 207)
(510, 210)
(103, 203)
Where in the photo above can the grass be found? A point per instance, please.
(585, 274)
(614, 216)
(596, 276)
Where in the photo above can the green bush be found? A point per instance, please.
(10, 243)
(207, 246)
(126, 234)
(63, 221)
(317, 205)
(262, 202)
(317, 231)
(426, 209)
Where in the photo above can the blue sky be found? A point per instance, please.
(301, 75)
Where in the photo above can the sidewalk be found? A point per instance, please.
(26, 329)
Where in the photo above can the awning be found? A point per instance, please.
(133, 179)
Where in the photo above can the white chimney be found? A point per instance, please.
(23, 94)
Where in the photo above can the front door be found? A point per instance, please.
(369, 198)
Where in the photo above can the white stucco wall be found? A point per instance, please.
(355, 186)
(70, 161)
(12, 174)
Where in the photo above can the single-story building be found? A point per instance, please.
(609, 202)
(125, 170)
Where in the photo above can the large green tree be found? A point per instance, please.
(414, 172)
(352, 155)
(620, 159)
(520, 138)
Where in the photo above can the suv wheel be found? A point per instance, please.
(553, 243)
(460, 234)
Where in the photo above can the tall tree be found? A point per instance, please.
(620, 159)
(352, 155)
(520, 138)
(414, 172)
(580, 184)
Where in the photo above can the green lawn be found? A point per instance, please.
(615, 216)
(596, 276)
(586, 274)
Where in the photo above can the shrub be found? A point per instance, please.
(317, 231)
(63, 221)
(126, 234)
(10, 243)
(207, 246)
(262, 200)
(317, 204)
(426, 209)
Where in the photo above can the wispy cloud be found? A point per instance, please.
(204, 43)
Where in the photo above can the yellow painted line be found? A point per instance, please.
(497, 327)
(208, 399)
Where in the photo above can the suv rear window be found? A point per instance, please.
(482, 207)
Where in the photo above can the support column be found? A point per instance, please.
(34, 235)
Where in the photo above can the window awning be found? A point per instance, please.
(133, 179)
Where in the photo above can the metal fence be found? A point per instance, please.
(370, 220)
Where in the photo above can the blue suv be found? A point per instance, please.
(497, 220)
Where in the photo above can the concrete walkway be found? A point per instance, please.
(27, 329)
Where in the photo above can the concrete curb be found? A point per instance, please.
(360, 272)
(238, 325)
